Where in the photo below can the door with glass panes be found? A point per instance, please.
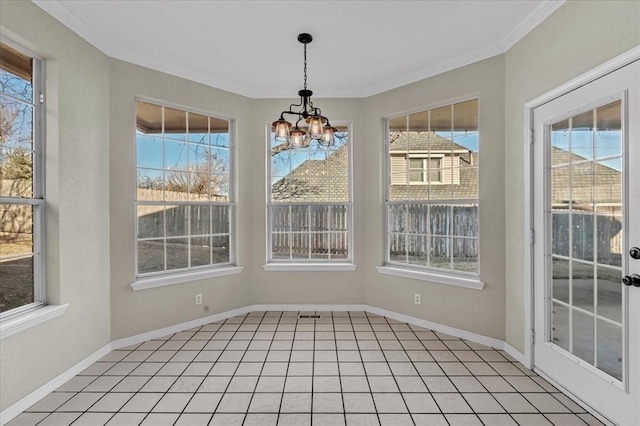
(587, 209)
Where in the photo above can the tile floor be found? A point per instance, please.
(271, 368)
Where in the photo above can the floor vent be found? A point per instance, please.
(309, 316)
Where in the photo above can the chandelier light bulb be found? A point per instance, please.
(328, 138)
(281, 130)
(297, 139)
(315, 127)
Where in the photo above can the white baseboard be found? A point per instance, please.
(519, 356)
(26, 402)
(307, 308)
(13, 411)
(161, 332)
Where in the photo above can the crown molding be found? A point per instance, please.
(533, 20)
(58, 11)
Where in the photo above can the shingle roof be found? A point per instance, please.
(422, 141)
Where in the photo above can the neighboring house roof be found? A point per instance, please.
(608, 181)
(422, 141)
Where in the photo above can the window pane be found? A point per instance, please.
(151, 221)
(609, 134)
(582, 335)
(16, 173)
(441, 252)
(280, 248)
(465, 254)
(397, 248)
(397, 217)
(610, 293)
(175, 124)
(150, 256)
(418, 250)
(465, 221)
(299, 218)
(610, 348)
(319, 245)
(201, 220)
(198, 128)
(177, 253)
(339, 220)
(220, 249)
(220, 219)
(319, 218)
(16, 82)
(149, 151)
(582, 283)
(17, 123)
(280, 219)
(418, 218)
(339, 245)
(150, 184)
(200, 251)
(561, 274)
(177, 220)
(177, 188)
(440, 220)
(560, 326)
(16, 256)
(299, 245)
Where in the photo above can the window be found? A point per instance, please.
(424, 170)
(309, 203)
(21, 182)
(432, 191)
(184, 180)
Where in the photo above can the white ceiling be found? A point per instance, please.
(360, 48)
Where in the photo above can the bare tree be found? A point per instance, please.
(209, 176)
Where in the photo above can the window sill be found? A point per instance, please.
(165, 280)
(309, 267)
(11, 326)
(434, 277)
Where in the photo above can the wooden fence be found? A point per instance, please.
(412, 222)
(304, 230)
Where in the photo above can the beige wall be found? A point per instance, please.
(577, 37)
(141, 311)
(77, 203)
(477, 311)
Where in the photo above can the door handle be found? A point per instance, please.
(631, 280)
(634, 253)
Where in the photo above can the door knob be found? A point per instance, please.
(635, 252)
(633, 279)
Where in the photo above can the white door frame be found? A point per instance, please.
(583, 79)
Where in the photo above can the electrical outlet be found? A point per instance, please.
(199, 299)
(417, 299)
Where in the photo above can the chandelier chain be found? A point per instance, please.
(305, 66)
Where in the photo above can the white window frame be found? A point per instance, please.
(419, 272)
(37, 200)
(191, 273)
(310, 264)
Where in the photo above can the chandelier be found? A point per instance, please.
(318, 127)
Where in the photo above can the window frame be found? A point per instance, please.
(414, 271)
(176, 276)
(37, 200)
(309, 264)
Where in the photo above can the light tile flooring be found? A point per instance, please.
(271, 368)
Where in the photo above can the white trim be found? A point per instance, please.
(574, 398)
(161, 332)
(307, 267)
(533, 20)
(516, 354)
(581, 80)
(433, 277)
(309, 307)
(452, 331)
(17, 408)
(165, 280)
(19, 323)
(56, 9)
